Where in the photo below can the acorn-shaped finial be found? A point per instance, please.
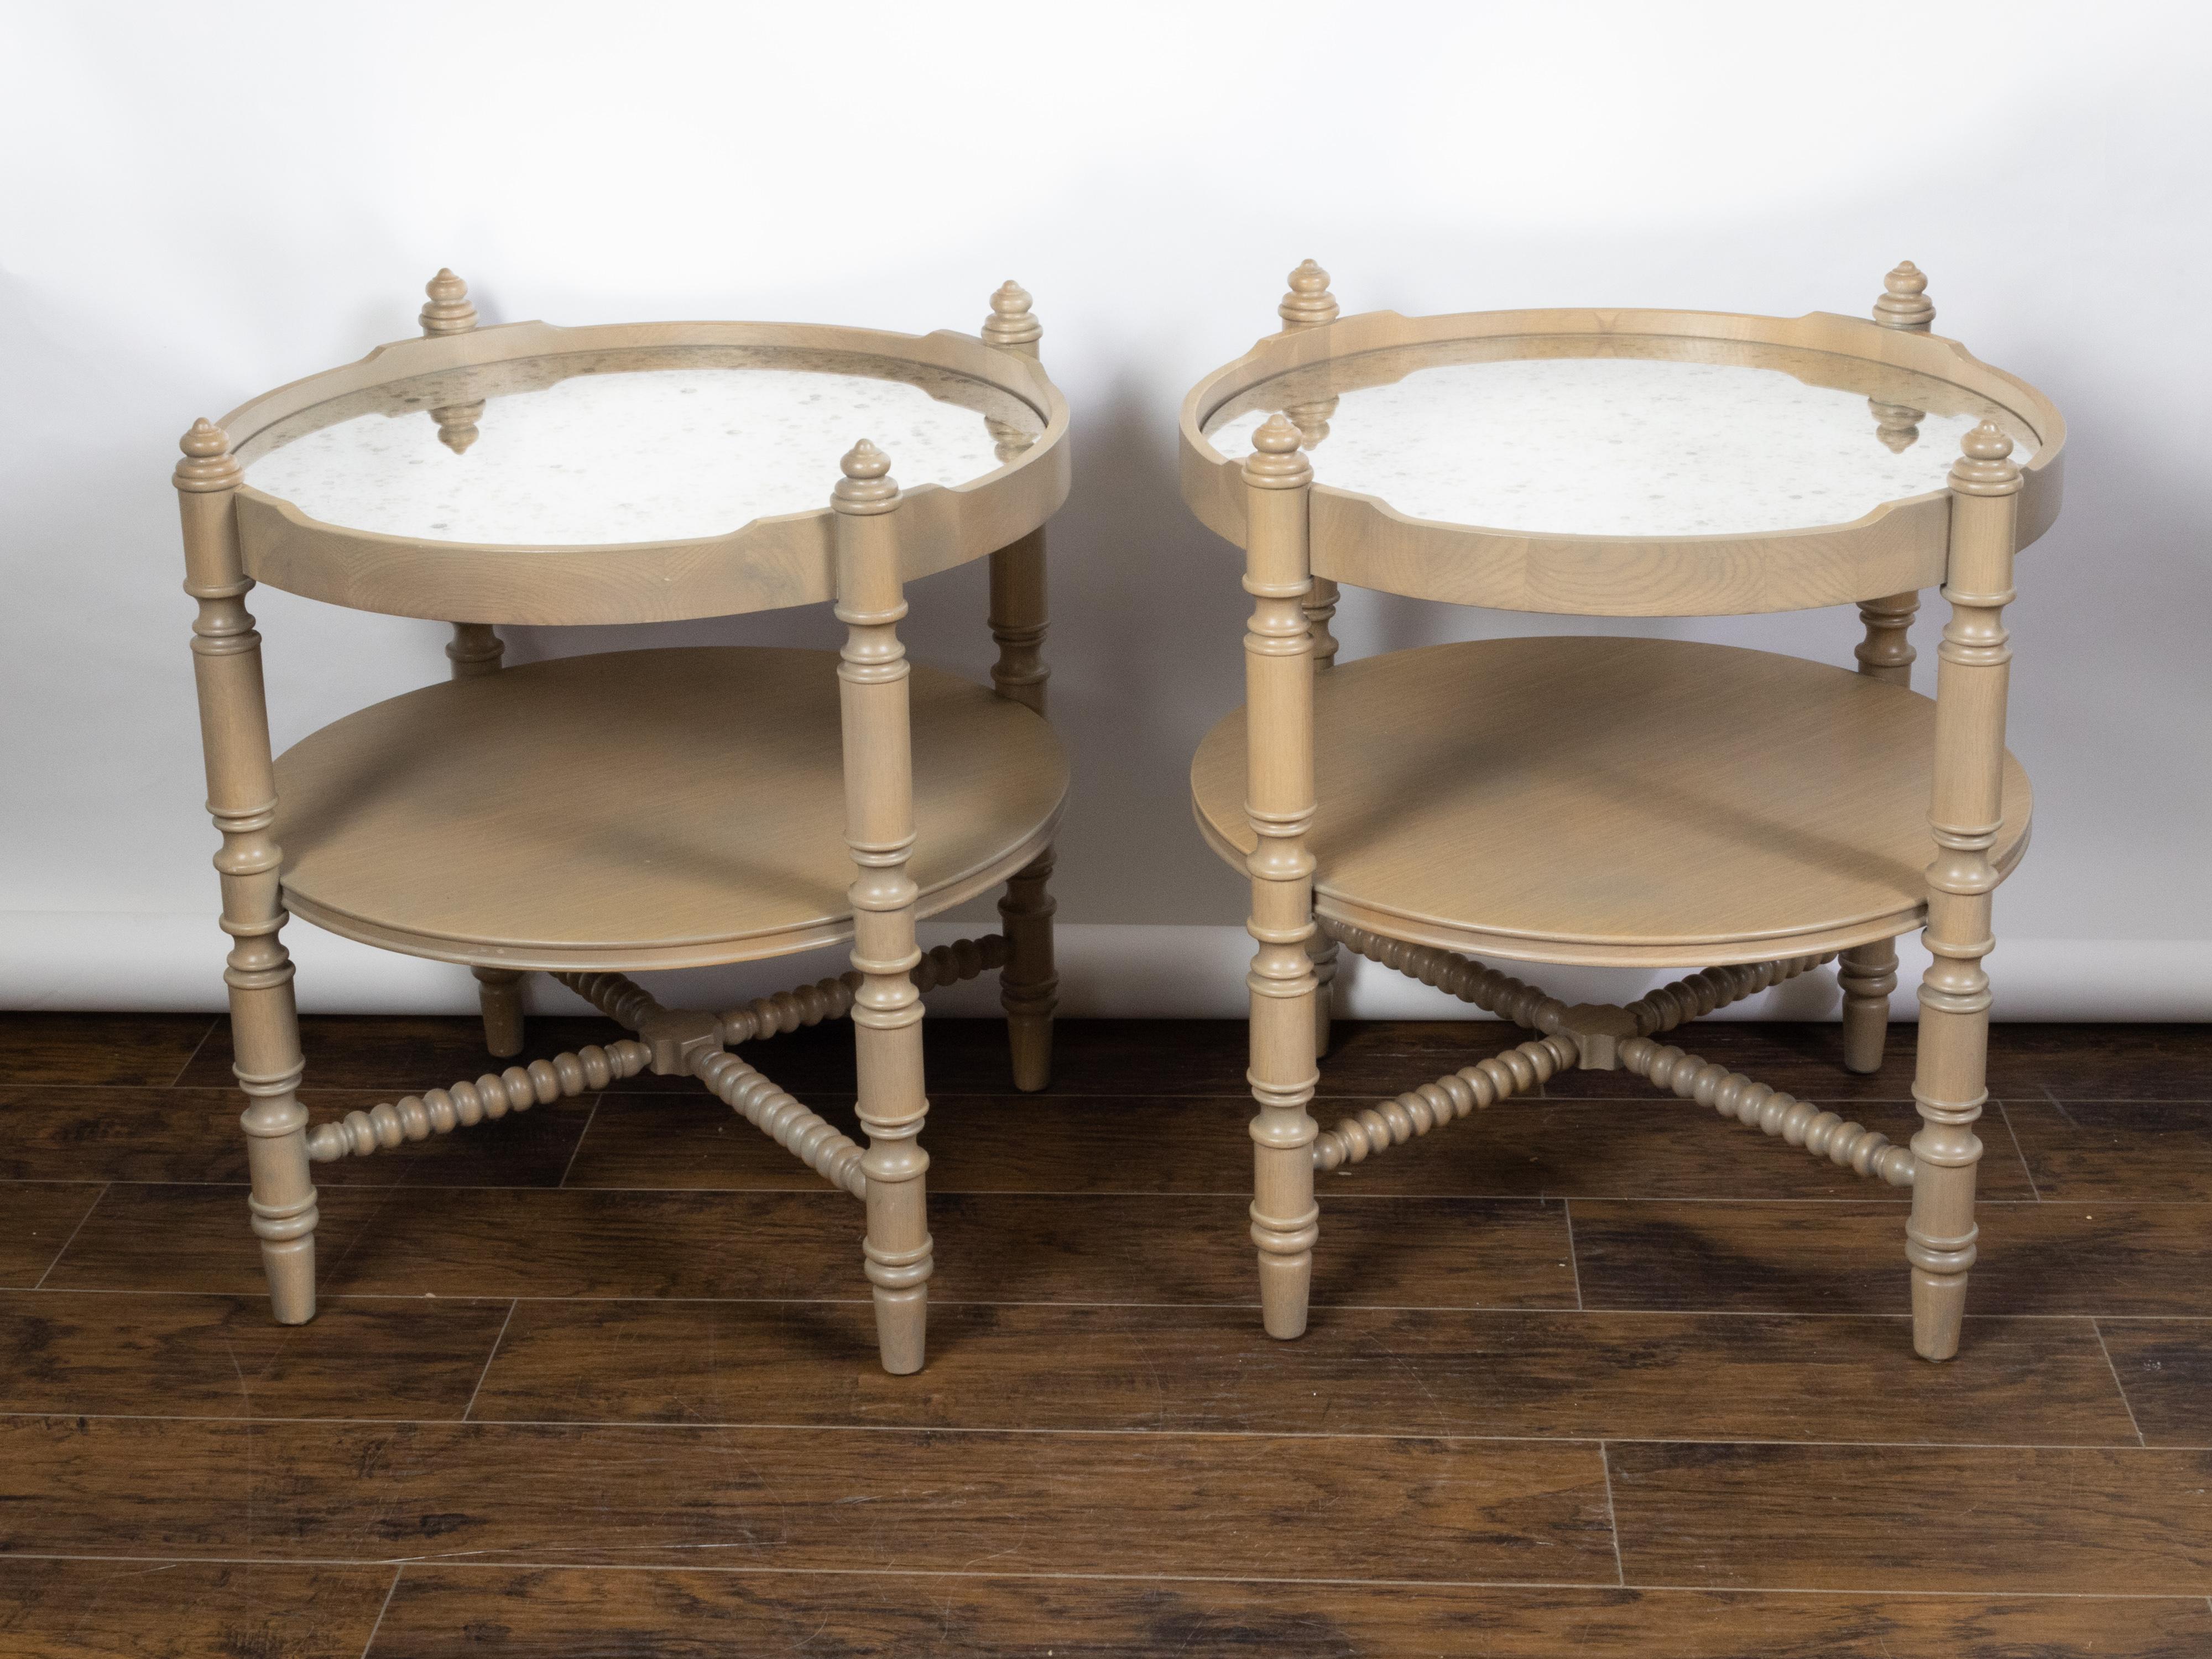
(1904, 302)
(1985, 465)
(1010, 325)
(1309, 304)
(868, 485)
(449, 311)
(208, 464)
(1275, 462)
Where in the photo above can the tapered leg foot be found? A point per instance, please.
(283, 1207)
(1868, 975)
(899, 1251)
(1939, 1308)
(1029, 985)
(1030, 1038)
(498, 990)
(291, 1270)
(901, 1329)
(1286, 1284)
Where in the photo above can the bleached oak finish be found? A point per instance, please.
(499, 992)
(1949, 1084)
(1358, 538)
(643, 809)
(832, 998)
(689, 799)
(1868, 973)
(476, 647)
(779, 560)
(493, 1095)
(1277, 810)
(879, 829)
(1471, 1088)
(1309, 304)
(1029, 987)
(242, 801)
(1625, 801)
(1825, 1134)
(1627, 810)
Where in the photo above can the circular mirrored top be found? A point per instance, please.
(1659, 435)
(626, 445)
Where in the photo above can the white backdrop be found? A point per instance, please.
(201, 202)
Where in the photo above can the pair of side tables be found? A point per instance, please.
(1615, 801)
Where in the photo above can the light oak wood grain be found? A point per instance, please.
(689, 799)
(1612, 801)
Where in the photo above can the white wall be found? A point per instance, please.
(201, 203)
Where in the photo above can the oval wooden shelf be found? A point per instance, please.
(770, 562)
(1606, 801)
(1359, 538)
(639, 810)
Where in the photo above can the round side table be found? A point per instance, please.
(1609, 801)
(637, 810)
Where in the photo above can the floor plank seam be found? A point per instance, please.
(1612, 1516)
(2127, 1404)
(1574, 1262)
(511, 1304)
(214, 1020)
(528, 1562)
(1415, 1435)
(1531, 1308)
(383, 1607)
(71, 1239)
(582, 1135)
(2019, 1149)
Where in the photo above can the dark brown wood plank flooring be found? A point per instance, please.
(1593, 1372)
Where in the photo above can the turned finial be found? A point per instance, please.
(449, 311)
(1309, 304)
(868, 485)
(208, 464)
(1904, 302)
(1985, 465)
(1898, 425)
(1010, 325)
(1275, 462)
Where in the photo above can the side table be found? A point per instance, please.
(1609, 801)
(590, 816)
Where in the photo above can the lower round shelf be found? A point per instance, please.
(1606, 801)
(641, 809)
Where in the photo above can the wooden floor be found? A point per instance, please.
(1598, 1372)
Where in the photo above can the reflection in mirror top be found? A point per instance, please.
(1659, 435)
(636, 445)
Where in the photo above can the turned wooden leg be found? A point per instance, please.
(1029, 985)
(242, 801)
(1278, 647)
(499, 993)
(1950, 1084)
(872, 678)
(1868, 974)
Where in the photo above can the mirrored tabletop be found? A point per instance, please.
(627, 446)
(1659, 436)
